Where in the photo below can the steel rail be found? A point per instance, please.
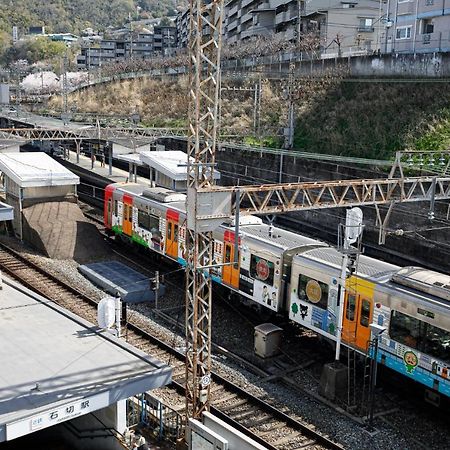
(217, 378)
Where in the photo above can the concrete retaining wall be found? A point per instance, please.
(238, 166)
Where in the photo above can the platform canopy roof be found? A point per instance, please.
(35, 169)
(6, 145)
(172, 163)
(133, 158)
(57, 366)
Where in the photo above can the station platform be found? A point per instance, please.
(60, 370)
(117, 175)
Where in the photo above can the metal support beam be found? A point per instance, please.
(382, 223)
(281, 198)
(204, 77)
(73, 134)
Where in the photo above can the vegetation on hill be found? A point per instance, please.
(75, 15)
(373, 120)
(335, 116)
(72, 16)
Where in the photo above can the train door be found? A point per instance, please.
(364, 319)
(172, 234)
(358, 312)
(230, 272)
(107, 216)
(127, 220)
(349, 319)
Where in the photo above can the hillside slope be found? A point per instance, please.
(75, 15)
(371, 120)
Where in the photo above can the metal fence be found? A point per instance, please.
(161, 420)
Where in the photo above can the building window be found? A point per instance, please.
(313, 291)
(427, 26)
(420, 335)
(365, 24)
(403, 33)
(429, 2)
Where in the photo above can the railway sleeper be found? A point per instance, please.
(277, 426)
(224, 399)
(264, 419)
(232, 406)
(288, 438)
(299, 445)
(242, 416)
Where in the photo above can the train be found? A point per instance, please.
(298, 277)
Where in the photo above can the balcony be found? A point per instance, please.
(232, 25)
(406, 8)
(245, 3)
(281, 17)
(256, 31)
(233, 11)
(246, 17)
(108, 44)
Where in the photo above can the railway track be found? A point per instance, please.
(253, 416)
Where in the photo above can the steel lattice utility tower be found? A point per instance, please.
(204, 60)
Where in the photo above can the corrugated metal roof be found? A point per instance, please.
(279, 237)
(35, 169)
(172, 163)
(366, 266)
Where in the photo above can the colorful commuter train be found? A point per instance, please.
(298, 276)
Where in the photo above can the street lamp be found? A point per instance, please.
(376, 331)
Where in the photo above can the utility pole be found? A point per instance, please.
(289, 130)
(89, 62)
(257, 107)
(155, 288)
(65, 115)
(131, 35)
(299, 21)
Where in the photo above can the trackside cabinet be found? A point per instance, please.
(267, 340)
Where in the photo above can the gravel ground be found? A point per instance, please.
(407, 428)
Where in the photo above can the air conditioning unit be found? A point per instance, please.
(426, 38)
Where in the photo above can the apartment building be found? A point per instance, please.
(182, 24)
(417, 26)
(246, 19)
(342, 26)
(163, 41)
(345, 27)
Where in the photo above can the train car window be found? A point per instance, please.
(143, 220)
(262, 269)
(407, 330)
(109, 210)
(351, 307)
(437, 343)
(153, 223)
(115, 207)
(175, 232)
(169, 231)
(313, 291)
(420, 335)
(365, 312)
(227, 253)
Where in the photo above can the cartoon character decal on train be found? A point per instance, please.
(298, 276)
